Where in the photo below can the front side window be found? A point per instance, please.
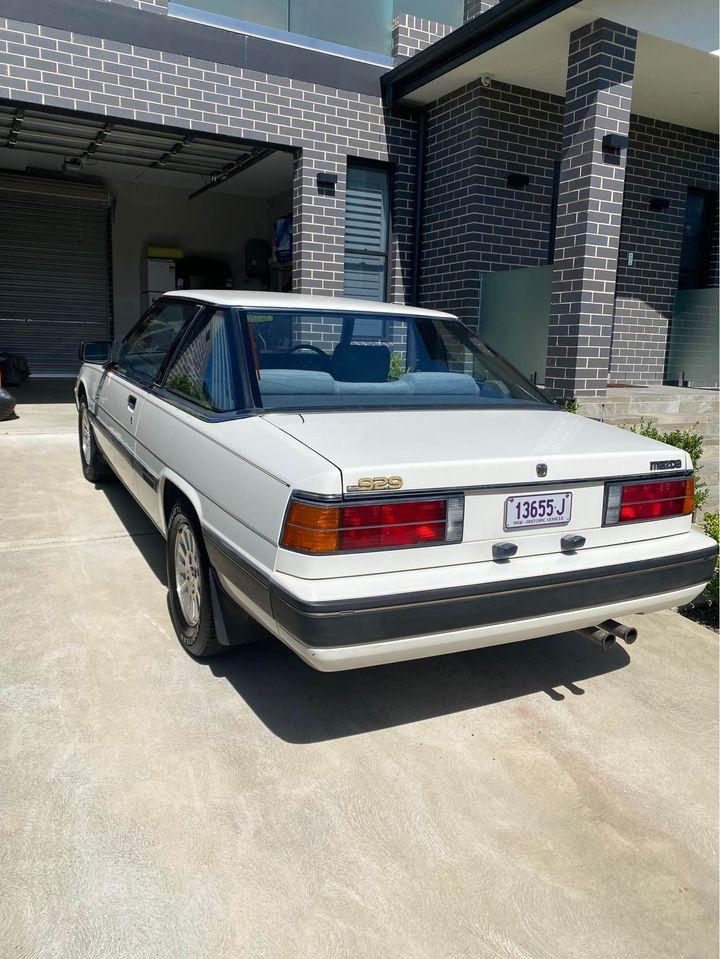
(146, 346)
(308, 359)
(202, 371)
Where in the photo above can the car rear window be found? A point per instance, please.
(308, 359)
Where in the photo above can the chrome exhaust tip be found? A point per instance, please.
(598, 635)
(628, 634)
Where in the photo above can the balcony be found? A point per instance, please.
(345, 27)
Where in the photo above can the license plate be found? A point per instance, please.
(538, 509)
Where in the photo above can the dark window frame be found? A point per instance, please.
(554, 201)
(704, 240)
(389, 170)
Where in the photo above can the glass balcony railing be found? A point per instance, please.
(347, 26)
(515, 310)
(693, 347)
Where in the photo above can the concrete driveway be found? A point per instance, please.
(538, 800)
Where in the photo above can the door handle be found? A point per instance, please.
(132, 400)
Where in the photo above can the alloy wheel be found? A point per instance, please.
(187, 574)
(86, 436)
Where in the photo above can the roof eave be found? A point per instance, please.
(482, 33)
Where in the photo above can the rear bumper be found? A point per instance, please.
(347, 633)
(341, 623)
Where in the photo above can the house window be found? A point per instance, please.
(700, 211)
(367, 234)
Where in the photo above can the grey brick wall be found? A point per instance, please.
(473, 221)
(601, 65)
(47, 66)
(663, 160)
(411, 34)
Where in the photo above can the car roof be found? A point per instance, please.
(256, 299)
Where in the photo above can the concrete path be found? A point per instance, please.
(537, 801)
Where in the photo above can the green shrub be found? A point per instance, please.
(397, 367)
(688, 440)
(712, 528)
(570, 406)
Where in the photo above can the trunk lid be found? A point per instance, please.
(461, 449)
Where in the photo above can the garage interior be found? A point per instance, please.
(100, 216)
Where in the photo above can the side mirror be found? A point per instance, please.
(95, 351)
(101, 351)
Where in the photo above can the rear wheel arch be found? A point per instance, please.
(189, 578)
(173, 490)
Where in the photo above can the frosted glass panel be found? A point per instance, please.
(514, 316)
(268, 13)
(443, 11)
(693, 349)
(364, 26)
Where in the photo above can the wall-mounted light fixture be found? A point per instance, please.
(614, 143)
(517, 181)
(659, 204)
(326, 180)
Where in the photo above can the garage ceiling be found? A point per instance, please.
(81, 144)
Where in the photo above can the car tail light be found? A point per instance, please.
(314, 528)
(655, 499)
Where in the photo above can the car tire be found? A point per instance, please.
(94, 465)
(7, 404)
(188, 578)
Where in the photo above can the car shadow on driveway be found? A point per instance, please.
(302, 705)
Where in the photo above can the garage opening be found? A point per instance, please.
(98, 217)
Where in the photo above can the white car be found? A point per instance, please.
(372, 483)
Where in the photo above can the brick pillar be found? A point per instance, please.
(154, 6)
(597, 101)
(318, 223)
(411, 34)
(475, 7)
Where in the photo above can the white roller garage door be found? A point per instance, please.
(54, 270)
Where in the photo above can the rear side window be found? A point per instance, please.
(147, 345)
(202, 372)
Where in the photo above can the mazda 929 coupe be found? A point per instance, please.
(372, 483)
